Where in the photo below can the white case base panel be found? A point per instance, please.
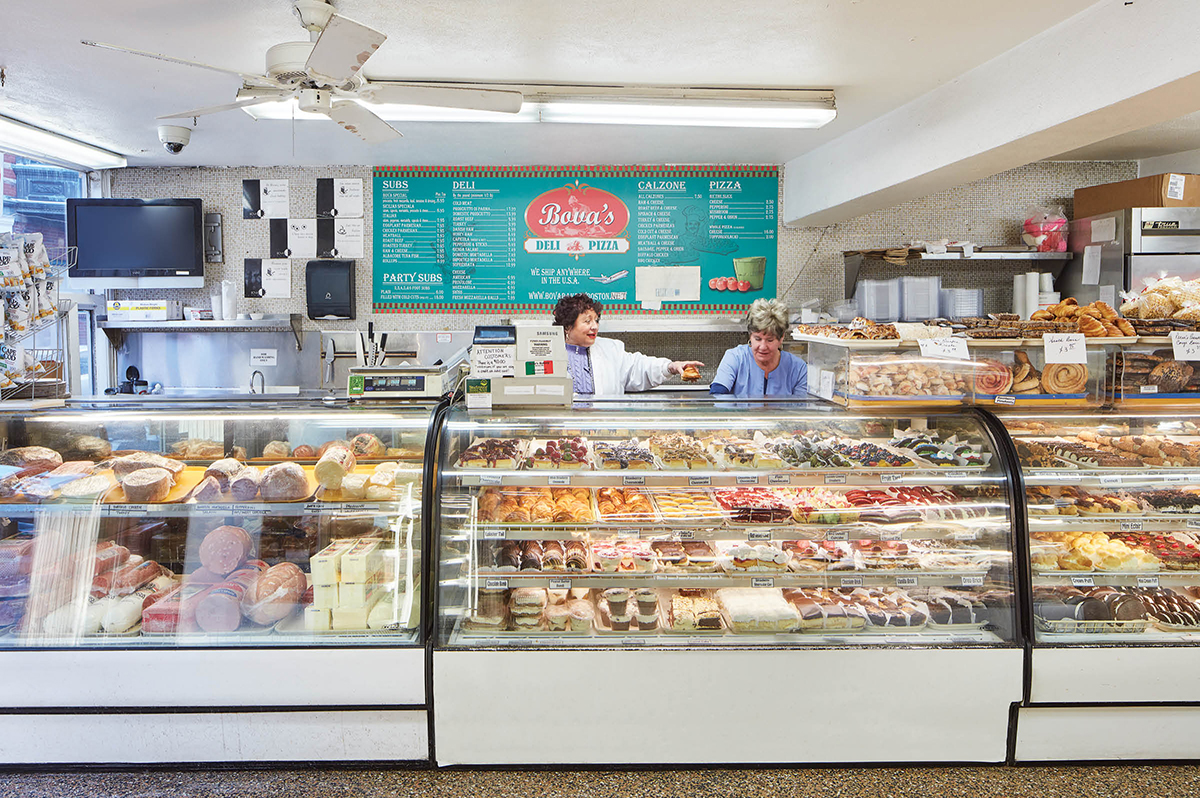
(300, 736)
(715, 707)
(1094, 675)
(262, 677)
(1056, 734)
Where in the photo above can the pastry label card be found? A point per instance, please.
(265, 199)
(1186, 345)
(1065, 348)
(947, 348)
(340, 198)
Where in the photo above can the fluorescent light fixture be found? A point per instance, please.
(42, 145)
(613, 105)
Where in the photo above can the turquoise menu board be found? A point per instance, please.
(696, 239)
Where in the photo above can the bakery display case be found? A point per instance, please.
(707, 540)
(1147, 375)
(1112, 512)
(187, 556)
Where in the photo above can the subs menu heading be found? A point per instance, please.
(638, 238)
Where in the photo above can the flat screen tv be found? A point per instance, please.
(132, 243)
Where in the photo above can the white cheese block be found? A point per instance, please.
(325, 597)
(325, 565)
(355, 617)
(317, 619)
(363, 561)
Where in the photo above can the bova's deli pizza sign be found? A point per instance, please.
(494, 239)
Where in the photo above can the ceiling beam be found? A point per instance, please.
(1115, 67)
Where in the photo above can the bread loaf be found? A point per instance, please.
(147, 485)
(277, 450)
(335, 463)
(284, 482)
(124, 466)
(244, 486)
(224, 549)
(368, 446)
(223, 471)
(34, 459)
(274, 594)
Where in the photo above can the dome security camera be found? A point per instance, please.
(174, 138)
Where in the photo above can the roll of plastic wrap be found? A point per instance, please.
(1019, 295)
(1046, 283)
(1031, 294)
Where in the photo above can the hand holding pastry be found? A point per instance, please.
(681, 367)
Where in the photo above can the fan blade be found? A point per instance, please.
(341, 50)
(259, 80)
(362, 123)
(500, 100)
(212, 109)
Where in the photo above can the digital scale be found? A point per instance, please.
(407, 381)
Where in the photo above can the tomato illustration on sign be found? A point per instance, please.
(577, 210)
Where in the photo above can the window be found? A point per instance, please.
(34, 199)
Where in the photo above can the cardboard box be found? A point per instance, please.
(144, 310)
(1171, 190)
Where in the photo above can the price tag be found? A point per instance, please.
(1186, 345)
(1193, 524)
(781, 479)
(885, 478)
(1004, 399)
(686, 534)
(762, 581)
(356, 508)
(628, 533)
(1148, 389)
(891, 534)
(1083, 581)
(494, 534)
(958, 474)
(632, 641)
(1147, 581)
(247, 509)
(966, 534)
(837, 534)
(208, 510)
(907, 581)
(633, 480)
(971, 581)
(490, 479)
(315, 507)
(759, 535)
(1110, 481)
(747, 480)
(130, 509)
(826, 389)
(1176, 479)
(1065, 348)
(835, 479)
(698, 481)
(496, 584)
(563, 480)
(1131, 526)
(560, 583)
(948, 348)
(851, 581)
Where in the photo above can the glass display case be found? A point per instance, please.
(1113, 519)
(687, 528)
(205, 536)
(1146, 376)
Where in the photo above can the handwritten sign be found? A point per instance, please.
(1186, 345)
(1065, 348)
(948, 348)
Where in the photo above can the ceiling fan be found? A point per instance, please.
(323, 75)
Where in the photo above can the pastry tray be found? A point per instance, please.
(664, 615)
(1071, 626)
(519, 456)
(587, 464)
(655, 464)
(720, 519)
(535, 524)
(604, 628)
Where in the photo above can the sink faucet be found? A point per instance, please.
(262, 380)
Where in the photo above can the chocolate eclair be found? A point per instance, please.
(531, 556)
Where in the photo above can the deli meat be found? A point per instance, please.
(274, 594)
(134, 576)
(223, 471)
(224, 549)
(334, 465)
(221, 608)
(124, 466)
(147, 485)
(284, 482)
(31, 459)
(176, 611)
(245, 485)
(209, 490)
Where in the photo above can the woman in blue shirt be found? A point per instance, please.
(762, 368)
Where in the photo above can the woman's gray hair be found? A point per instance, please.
(768, 315)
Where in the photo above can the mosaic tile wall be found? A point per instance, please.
(988, 211)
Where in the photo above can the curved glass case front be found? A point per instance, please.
(721, 523)
(1114, 525)
(245, 526)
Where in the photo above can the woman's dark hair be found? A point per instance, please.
(569, 307)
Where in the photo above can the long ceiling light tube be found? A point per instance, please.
(28, 141)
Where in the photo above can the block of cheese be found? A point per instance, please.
(363, 561)
(325, 597)
(354, 486)
(356, 617)
(317, 619)
(325, 565)
(334, 465)
(355, 594)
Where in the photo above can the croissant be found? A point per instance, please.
(564, 516)
(542, 511)
(517, 516)
(608, 494)
(489, 501)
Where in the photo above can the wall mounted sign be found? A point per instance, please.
(696, 239)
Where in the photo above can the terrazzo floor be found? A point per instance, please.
(978, 782)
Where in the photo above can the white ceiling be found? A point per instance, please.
(875, 54)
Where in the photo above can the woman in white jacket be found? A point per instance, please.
(601, 366)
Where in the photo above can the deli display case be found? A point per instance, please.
(1113, 520)
(213, 583)
(649, 569)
